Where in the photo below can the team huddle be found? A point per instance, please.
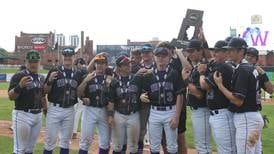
(145, 93)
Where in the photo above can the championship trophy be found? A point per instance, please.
(192, 18)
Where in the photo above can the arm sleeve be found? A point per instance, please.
(178, 83)
(112, 91)
(14, 81)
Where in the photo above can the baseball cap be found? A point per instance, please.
(33, 56)
(194, 44)
(219, 45)
(227, 39)
(68, 51)
(252, 51)
(122, 60)
(80, 61)
(101, 58)
(237, 43)
(147, 48)
(160, 50)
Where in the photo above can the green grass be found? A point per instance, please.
(6, 147)
(6, 107)
(14, 70)
(4, 85)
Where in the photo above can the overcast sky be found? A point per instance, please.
(115, 21)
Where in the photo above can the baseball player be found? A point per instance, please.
(135, 57)
(79, 65)
(243, 94)
(94, 93)
(25, 89)
(252, 56)
(196, 99)
(125, 91)
(145, 65)
(61, 85)
(177, 62)
(221, 119)
(164, 89)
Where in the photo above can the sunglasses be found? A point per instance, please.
(146, 48)
(68, 51)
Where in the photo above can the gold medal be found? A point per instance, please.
(162, 95)
(123, 101)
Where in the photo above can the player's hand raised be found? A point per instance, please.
(185, 73)
(25, 81)
(53, 76)
(218, 78)
(89, 77)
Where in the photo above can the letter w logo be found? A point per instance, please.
(255, 37)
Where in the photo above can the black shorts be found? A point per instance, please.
(182, 120)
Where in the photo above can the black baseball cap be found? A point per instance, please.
(122, 60)
(33, 56)
(252, 51)
(219, 45)
(68, 51)
(227, 39)
(160, 50)
(146, 48)
(80, 61)
(237, 43)
(194, 44)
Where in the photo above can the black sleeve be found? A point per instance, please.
(15, 80)
(50, 71)
(263, 78)
(196, 80)
(146, 82)
(210, 80)
(241, 84)
(112, 91)
(178, 83)
(138, 80)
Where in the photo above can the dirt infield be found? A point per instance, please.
(6, 131)
(3, 93)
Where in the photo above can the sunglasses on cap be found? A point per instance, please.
(68, 51)
(146, 49)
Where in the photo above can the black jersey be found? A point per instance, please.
(97, 91)
(245, 85)
(192, 100)
(215, 98)
(64, 88)
(31, 96)
(125, 93)
(163, 87)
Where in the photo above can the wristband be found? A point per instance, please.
(18, 89)
(111, 113)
